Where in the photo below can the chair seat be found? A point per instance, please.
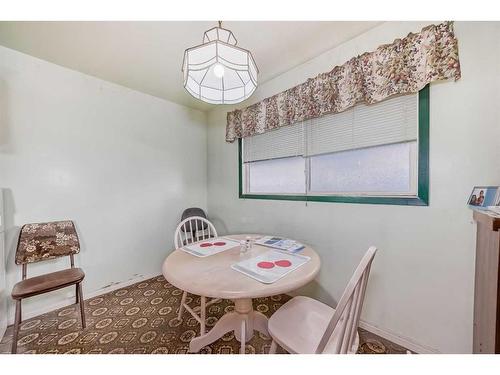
(299, 325)
(46, 283)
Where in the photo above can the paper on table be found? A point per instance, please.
(210, 246)
(270, 266)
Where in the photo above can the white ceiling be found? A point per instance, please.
(147, 56)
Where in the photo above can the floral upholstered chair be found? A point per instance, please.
(39, 242)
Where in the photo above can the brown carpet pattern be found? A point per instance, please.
(142, 318)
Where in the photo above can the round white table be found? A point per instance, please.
(213, 276)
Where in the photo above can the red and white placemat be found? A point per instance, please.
(270, 266)
(210, 246)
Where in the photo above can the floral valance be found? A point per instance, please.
(403, 67)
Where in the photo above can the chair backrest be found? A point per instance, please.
(193, 211)
(346, 317)
(190, 212)
(43, 241)
(199, 229)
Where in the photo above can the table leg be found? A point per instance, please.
(229, 322)
(242, 339)
(244, 309)
(243, 320)
(260, 322)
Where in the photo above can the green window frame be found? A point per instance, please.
(422, 197)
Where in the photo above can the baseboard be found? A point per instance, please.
(398, 339)
(88, 295)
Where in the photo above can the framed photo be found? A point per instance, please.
(497, 198)
(484, 196)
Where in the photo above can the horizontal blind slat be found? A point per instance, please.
(283, 142)
(390, 121)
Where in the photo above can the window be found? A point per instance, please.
(287, 176)
(368, 154)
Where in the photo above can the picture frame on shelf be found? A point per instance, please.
(483, 197)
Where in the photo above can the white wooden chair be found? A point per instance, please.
(190, 230)
(304, 325)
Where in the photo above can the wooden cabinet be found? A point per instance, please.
(486, 335)
(4, 293)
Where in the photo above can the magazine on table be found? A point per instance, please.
(280, 243)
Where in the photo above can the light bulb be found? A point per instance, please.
(219, 70)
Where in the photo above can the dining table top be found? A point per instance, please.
(212, 276)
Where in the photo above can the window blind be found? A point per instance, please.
(280, 143)
(391, 121)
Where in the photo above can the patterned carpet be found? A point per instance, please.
(142, 318)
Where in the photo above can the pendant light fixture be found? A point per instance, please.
(217, 71)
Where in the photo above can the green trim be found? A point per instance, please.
(240, 172)
(423, 145)
(422, 198)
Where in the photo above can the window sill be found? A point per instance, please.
(399, 201)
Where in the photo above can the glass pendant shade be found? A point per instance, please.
(217, 71)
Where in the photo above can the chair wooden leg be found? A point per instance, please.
(77, 297)
(272, 349)
(181, 307)
(203, 309)
(80, 301)
(16, 326)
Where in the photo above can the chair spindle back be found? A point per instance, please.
(191, 230)
(346, 316)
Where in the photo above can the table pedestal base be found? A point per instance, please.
(243, 321)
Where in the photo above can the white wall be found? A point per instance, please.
(421, 286)
(121, 164)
